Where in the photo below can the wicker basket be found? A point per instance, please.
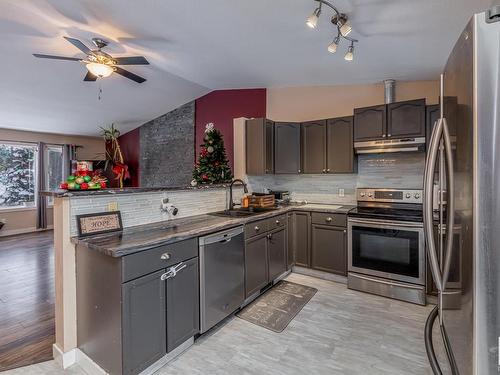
(262, 201)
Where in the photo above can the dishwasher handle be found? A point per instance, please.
(221, 237)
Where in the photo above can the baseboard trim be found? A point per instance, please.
(87, 364)
(13, 232)
(319, 274)
(63, 359)
(169, 357)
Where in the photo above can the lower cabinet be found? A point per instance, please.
(276, 249)
(301, 230)
(328, 249)
(144, 322)
(256, 266)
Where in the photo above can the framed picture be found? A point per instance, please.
(99, 223)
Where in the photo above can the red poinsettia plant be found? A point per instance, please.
(114, 154)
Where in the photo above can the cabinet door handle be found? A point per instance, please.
(324, 170)
(278, 222)
(345, 231)
(328, 219)
(256, 228)
(299, 171)
(328, 170)
(165, 256)
(173, 271)
(270, 236)
(389, 135)
(383, 135)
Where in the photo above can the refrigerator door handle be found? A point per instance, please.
(430, 167)
(450, 207)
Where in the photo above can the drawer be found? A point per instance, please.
(338, 220)
(276, 222)
(147, 261)
(255, 228)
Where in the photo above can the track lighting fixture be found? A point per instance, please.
(349, 56)
(341, 22)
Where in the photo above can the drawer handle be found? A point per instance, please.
(278, 222)
(165, 256)
(328, 219)
(257, 228)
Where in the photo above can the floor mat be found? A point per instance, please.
(277, 307)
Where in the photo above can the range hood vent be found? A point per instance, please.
(390, 145)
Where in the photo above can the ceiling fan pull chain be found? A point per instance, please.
(100, 90)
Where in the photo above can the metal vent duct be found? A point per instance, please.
(390, 91)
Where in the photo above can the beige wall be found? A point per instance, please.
(319, 102)
(25, 220)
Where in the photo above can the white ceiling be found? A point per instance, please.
(195, 46)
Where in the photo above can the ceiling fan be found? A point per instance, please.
(100, 64)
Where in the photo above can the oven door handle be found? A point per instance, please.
(392, 283)
(385, 223)
(430, 166)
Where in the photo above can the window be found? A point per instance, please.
(53, 168)
(17, 175)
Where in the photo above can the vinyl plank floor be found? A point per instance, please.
(339, 331)
(27, 327)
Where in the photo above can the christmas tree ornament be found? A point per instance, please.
(210, 149)
(194, 183)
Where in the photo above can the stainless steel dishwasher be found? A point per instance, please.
(222, 275)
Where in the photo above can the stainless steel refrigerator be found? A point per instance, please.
(462, 205)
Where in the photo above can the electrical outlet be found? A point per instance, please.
(341, 192)
(113, 206)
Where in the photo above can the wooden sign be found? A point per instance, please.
(98, 223)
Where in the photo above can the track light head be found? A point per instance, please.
(342, 23)
(349, 56)
(312, 20)
(332, 48)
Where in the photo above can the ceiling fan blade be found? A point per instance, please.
(131, 60)
(42, 56)
(90, 77)
(78, 44)
(129, 75)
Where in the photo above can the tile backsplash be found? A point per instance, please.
(390, 170)
(144, 208)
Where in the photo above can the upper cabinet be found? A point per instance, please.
(259, 146)
(286, 148)
(340, 146)
(370, 123)
(406, 119)
(395, 120)
(314, 147)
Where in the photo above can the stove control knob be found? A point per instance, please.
(417, 195)
(370, 195)
(362, 194)
(408, 195)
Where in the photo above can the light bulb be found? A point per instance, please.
(349, 56)
(346, 28)
(332, 48)
(312, 20)
(99, 70)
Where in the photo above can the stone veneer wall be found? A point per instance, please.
(144, 208)
(166, 148)
(391, 170)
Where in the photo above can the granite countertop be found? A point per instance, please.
(60, 193)
(143, 237)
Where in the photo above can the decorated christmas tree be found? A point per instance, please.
(212, 166)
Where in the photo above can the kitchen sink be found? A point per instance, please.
(236, 213)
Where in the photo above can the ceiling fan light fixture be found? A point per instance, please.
(99, 70)
(312, 20)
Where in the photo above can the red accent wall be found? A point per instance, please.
(221, 107)
(129, 143)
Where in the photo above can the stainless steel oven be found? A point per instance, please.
(386, 244)
(393, 250)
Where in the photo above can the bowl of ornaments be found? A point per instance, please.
(84, 179)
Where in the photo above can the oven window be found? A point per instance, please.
(386, 250)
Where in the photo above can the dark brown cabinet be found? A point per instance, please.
(290, 241)
(256, 264)
(328, 249)
(259, 134)
(406, 119)
(183, 312)
(277, 253)
(286, 148)
(433, 113)
(313, 134)
(144, 322)
(300, 243)
(370, 123)
(340, 156)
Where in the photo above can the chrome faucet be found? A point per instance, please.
(245, 189)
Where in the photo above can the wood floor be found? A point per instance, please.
(27, 328)
(339, 332)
